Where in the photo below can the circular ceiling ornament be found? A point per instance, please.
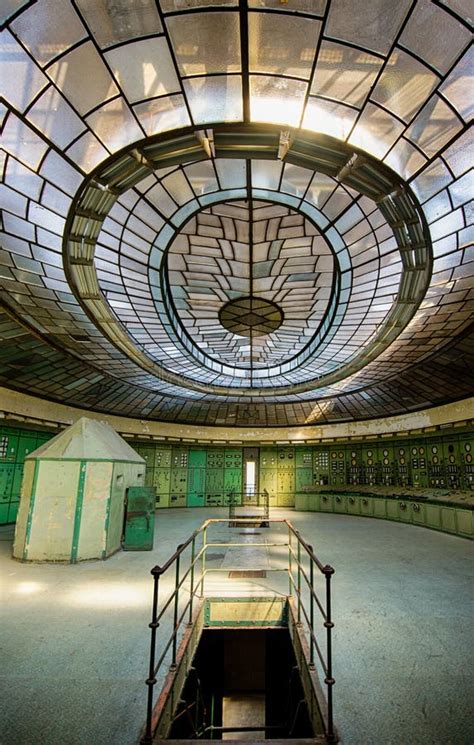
(251, 316)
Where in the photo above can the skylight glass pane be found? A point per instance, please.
(162, 114)
(177, 185)
(22, 179)
(111, 22)
(434, 35)
(281, 44)
(311, 7)
(56, 169)
(375, 131)
(344, 73)
(87, 152)
(115, 125)
(434, 126)
(266, 174)
(320, 190)
(405, 159)
(231, 173)
(202, 177)
(20, 141)
(48, 28)
(295, 179)
(70, 72)
(9, 7)
(405, 85)
(457, 85)
(169, 6)
(205, 42)
(459, 155)
(24, 80)
(463, 8)
(214, 99)
(329, 117)
(53, 116)
(144, 69)
(276, 100)
(372, 25)
(431, 180)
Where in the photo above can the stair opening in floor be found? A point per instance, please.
(243, 685)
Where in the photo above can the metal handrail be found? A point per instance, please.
(254, 499)
(196, 587)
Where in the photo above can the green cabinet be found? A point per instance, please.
(148, 454)
(197, 458)
(233, 481)
(326, 503)
(268, 458)
(286, 477)
(321, 466)
(465, 522)
(139, 524)
(301, 502)
(162, 458)
(268, 481)
(233, 464)
(26, 445)
(366, 505)
(17, 479)
(304, 458)
(386, 465)
(7, 472)
(162, 485)
(303, 477)
(340, 503)
(353, 504)
(10, 448)
(214, 487)
(196, 486)
(285, 487)
(178, 486)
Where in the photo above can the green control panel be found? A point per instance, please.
(15, 445)
(198, 476)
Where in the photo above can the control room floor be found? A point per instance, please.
(74, 639)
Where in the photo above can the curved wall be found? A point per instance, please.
(29, 409)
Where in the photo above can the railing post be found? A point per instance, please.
(191, 590)
(176, 609)
(299, 581)
(290, 574)
(329, 680)
(311, 609)
(203, 559)
(147, 738)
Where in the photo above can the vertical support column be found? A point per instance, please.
(176, 610)
(329, 680)
(203, 559)
(290, 571)
(147, 738)
(191, 589)
(299, 581)
(311, 609)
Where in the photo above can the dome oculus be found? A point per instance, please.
(251, 316)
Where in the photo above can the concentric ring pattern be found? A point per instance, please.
(166, 161)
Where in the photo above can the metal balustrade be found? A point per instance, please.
(188, 569)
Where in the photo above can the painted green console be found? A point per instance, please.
(451, 512)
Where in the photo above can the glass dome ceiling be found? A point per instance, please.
(172, 168)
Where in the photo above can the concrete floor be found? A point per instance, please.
(74, 639)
